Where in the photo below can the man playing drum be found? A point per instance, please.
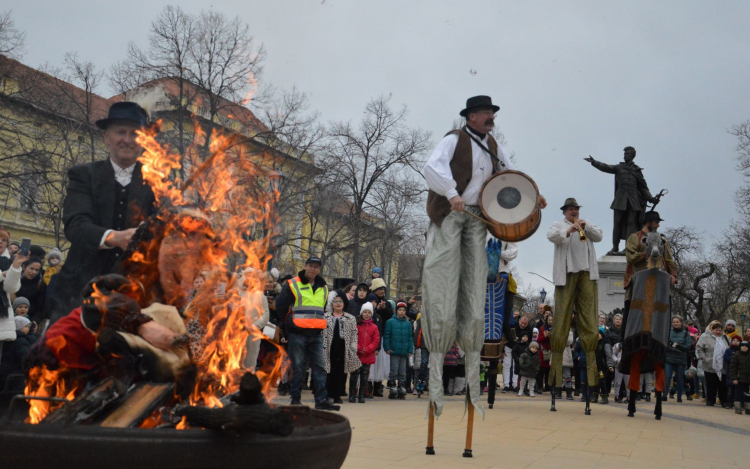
(576, 273)
(455, 268)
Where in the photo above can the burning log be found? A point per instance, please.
(252, 418)
(250, 412)
(138, 405)
(87, 405)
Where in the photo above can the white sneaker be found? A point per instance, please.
(531, 393)
(520, 393)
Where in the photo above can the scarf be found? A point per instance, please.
(719, 349)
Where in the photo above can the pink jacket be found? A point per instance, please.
(368, 341)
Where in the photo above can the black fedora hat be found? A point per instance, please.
(652, 216)
(570, 202)
(478, 101)
(125, 111)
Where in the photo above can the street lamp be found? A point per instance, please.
(543, 294)
(275, 181)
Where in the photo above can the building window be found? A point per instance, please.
(28, 190)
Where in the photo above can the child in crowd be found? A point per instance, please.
(368, 342)
(739, 373)
(734, 347)
(398, 342)
(450, 366)
(54, 262)
(604, 365)
(13, 354)
(529, 367)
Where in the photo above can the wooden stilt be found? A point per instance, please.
(430, 431)
(469, 429)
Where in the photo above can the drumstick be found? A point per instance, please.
(478, 218)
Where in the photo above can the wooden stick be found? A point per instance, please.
(430, 431)
(486, 222)
(469, 428)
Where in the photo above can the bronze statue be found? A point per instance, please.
(631, 196)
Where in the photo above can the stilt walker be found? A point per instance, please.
(647, 319)
(576, 275)
(455, 270)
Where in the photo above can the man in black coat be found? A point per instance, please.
(105, 203)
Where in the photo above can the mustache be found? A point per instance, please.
(490, 122)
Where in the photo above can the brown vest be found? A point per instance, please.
(462, 167)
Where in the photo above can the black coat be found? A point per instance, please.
(13, 354)
(89, 211)
(34, 290)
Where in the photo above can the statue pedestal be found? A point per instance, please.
(611, 275)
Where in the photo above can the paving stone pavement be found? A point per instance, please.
(521, 432)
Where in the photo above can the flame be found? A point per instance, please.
(220, 215)
(44, 382)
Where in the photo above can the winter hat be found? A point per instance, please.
(20, 301)
(367, 306)
(732, 322)
(21, 322)
(377, 270)
(535, 330)
(534, 344)
(735, 339)
(363, 286)
(402, 304)
(744, 343)
(377, 284)
(54, 253)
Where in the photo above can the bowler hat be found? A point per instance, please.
(478, 101)
(652, 216)
(570, 202)
(125, 111)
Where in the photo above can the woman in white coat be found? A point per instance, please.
(11, 281)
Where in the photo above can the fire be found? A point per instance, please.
(219, 220)
(43, 382)
(225, 218)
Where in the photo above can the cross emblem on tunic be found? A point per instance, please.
(649, 305)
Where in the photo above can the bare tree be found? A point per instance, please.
(359, 157)
(11, 39)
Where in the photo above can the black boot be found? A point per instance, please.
(568, 394)
(631, 406)
(657, 410)
(362, 390)
(353, 380)
(558, 393)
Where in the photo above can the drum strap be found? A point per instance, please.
(483, 147)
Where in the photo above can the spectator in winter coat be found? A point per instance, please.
(358, 299)
(10, 278)
(614, 334)
(619, 377)
(605, 366)
(734, 347)
(368, 342)
(14, 353)
(680, 343)
(739, 371)
(704, 351)
(567, 366)
(54, 262)
(543, 339)
(340, 340)
(33, 288)
(399, 344)
(528, 368)
(450, 365)
(580, 355)
(730, 329)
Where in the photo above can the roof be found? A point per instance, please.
(53, 94)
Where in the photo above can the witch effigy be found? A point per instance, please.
(454, 279)
(649, 276)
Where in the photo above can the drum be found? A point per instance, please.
(509, 202)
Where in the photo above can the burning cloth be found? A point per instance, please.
(647, 322)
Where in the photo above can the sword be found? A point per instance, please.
(658, 197)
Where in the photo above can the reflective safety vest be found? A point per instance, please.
(309, 307)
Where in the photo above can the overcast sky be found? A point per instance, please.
(572, 79)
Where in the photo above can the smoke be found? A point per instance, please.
(151, 99)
